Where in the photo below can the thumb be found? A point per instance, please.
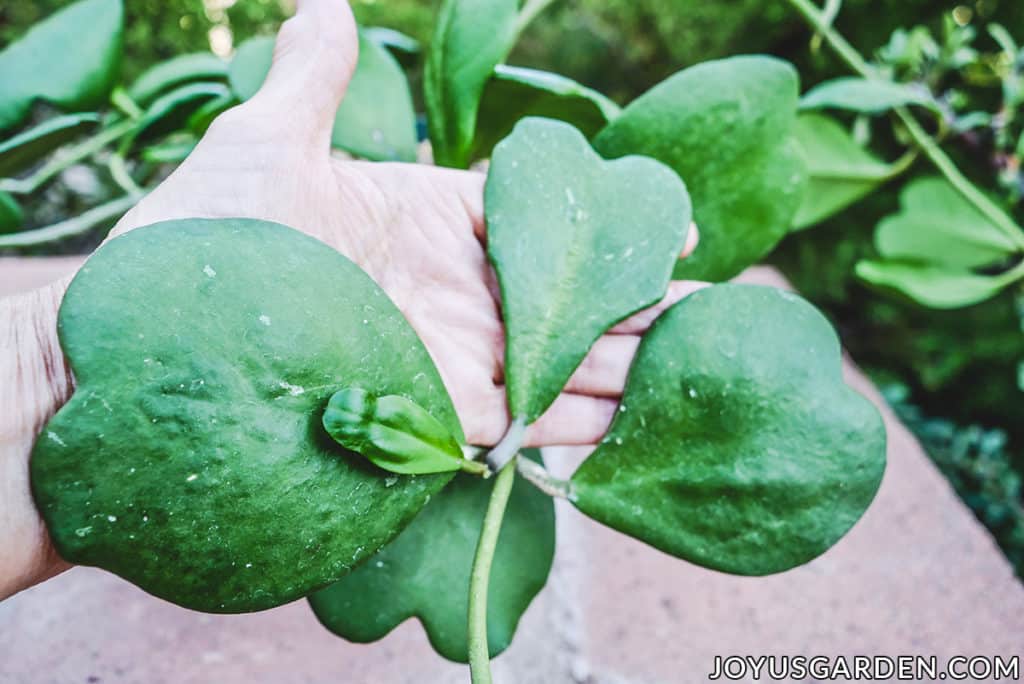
(314, 58)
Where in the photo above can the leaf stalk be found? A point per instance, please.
(479, 580)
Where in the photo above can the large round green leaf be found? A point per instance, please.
(737, 445)
(578, 243)
(424, 573)
(376, 120)
(70, 59)
(191, 459)
(724, 126)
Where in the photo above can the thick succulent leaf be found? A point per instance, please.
(424, 573)
(250, 66)
(32, 145)
(737, 445)
(935, 286)
(191, 459)
(578, 243)
(70, 59)
(471, 37)
(936, 224)
(11, 215)
(172, 109)
(376, 120)
(839, 171)
(724, 126)
(866, 96)
(392, 39)
(196, 66)
(514, 93)
(201, 118)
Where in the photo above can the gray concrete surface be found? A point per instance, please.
(918, 575)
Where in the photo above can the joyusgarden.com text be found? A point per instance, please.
(865, 668)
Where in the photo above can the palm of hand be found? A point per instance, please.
(417, 230)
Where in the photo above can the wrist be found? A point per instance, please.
(35, 382)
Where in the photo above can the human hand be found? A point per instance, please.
(417, 230)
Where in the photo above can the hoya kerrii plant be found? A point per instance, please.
(255, 422)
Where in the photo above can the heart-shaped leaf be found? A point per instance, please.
(724, 126)
(839, 171)
(578, 244)
(11, 215)
(32, 145)
(866, 96)
(935, 286)
(424, 573)
(514, 93)
(70, 59)
(471, 37)
(376, 120)
(191, 459)
(737, 445)
(196, 66)
(937, 225)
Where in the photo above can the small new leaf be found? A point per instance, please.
(395, 433)
(737, 445)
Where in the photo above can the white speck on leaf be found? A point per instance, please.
(191, 478)
(112, 518)
(390, 481)
(248, 565)
(265, 319)
(208, 270)
(294, 390)
(54, 437)
(82, 531)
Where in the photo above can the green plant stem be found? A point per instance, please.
(84, 149)
(529, 12)
(74, 226)
(476, 468)
(479, 580)
(505, 450)
(119, 172)
(539, 477)
(924, 142)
